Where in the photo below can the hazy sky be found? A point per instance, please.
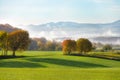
(17, 12)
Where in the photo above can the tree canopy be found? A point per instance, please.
(3, 42)
(107, 47)
(18, 40)
(68, 46)
(83, 45)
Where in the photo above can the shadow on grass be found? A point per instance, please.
(10, 57)
(19, 64)
(98, 56)
(64, 62)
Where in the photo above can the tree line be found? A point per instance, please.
(42, 44)
(83, 46)
(19, 40)
(16, 40)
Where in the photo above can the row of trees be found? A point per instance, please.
(16, 40)
(104, 47)
(82, 45)
(43, 44)
(19, 40)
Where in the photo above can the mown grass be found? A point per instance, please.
(49, 65)
(59, 74)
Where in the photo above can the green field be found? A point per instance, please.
(36, 65)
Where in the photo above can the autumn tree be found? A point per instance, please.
(18, 40)
(84, 45)
(3, 42)
(68, 46)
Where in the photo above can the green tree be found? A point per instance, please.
(107, 47)
(50, 45)
(68, 46)
(42, 43)
(18, 40)
(3, 42)
(58, 46)
(33, 45)
(84, 45)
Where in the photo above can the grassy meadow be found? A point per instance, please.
(53, 65)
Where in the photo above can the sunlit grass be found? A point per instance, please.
(52, 65)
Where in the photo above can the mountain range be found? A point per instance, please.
(73, 30)
(99, 32)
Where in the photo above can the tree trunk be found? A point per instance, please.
(2, 52)
(5, 52)
(13, 53)
(69, 52)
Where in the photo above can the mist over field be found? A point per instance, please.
(105, 33)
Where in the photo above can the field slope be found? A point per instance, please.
(36, 65)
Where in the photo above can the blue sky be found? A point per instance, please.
(17, 12)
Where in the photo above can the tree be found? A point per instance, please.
(107, 47)
(43, 40)
(50, 45)
(68, 46)
(33, 45)
(84, 45)
(3, 42)
(42, 43)
(58, 46)
(18, 40)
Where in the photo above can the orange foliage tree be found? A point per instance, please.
(68, 46)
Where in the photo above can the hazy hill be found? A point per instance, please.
(74, 30)
(104, 33)
(106, 40)
(7, 27)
